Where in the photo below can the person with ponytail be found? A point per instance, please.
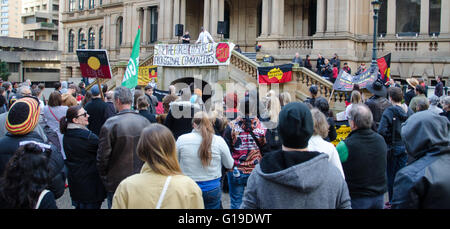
(201, 154)
(80, 144)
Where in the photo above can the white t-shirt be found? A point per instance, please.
(316, 143)
(205, 37)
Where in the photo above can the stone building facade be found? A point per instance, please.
(416, 32)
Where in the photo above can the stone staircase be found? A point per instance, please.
(250, 55)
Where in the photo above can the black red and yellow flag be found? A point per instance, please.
(275, 74)
(384, 64)
(94, 63)
(146, 73)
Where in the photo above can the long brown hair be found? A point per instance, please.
(156, 146)
(206, 129)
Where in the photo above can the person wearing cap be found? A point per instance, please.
(378, 102)
(97, 110)
(295, 177)
(412, 83)
(420, 96)
(21, 120)
(363, 157)
(425, 182)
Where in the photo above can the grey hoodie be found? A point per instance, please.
(296, 180)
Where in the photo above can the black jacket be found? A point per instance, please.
(151, 117)
(409, 95)
(365, 167)
(439, 89)
(10, 143)
(391, 124)
(179, 119)
(377, 105)
(85, 185)
(97, 110)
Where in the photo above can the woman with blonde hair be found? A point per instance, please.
(273, 107)
(201, 155)
(285, 98)
(161, 184)
(316, 142)
(355, 98)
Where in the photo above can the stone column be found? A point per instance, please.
(221, 10)
(206, 10)
(183, 13)
(321, 12)
(176, 16)
(445, 16)
(343, 15)
(168, 20)
(161, 10)
(331, 16)
(146, 26)
(214, 18)
(141, 15)
(424, 17)
(391, 17)
(265, 21)
(275, 28)
(281, 15)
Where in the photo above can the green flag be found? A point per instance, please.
(130, 79)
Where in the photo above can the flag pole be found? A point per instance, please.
(100, 88)
(332, 92)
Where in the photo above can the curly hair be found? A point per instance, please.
(26, 175)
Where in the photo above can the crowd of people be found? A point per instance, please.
(265, 151)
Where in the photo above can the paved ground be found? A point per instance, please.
(65, 202)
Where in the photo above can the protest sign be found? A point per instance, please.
(94, 63)
(185, 55)
(345, 81)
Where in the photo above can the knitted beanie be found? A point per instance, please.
(295, 125)
(23, 116)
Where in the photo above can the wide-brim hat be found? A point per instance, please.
(377, 88)
(412, 82)
(23, 116)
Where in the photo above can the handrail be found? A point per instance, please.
(244, 64)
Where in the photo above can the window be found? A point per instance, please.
(101, 2)
(4, 20)
(100, 38)
(81, 39)
(435, 17)
(13, 67)
(119, 30)
(4, 32)
(71, 40)
(91, 39)
(54, 37)
(382, 18)
(153, 24)
(408, 17)
(71, 5)
(4, 8)
(4, 14)
(91, 4)
(4, 1)
(55, 8)
(4, 26)
(81, 5)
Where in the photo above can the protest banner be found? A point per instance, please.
(94, 63)
(188, 55)
(345, 81)
(145, 74)
(275, 74)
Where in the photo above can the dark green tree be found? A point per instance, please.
(4, 71)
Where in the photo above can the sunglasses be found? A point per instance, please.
(84, 114)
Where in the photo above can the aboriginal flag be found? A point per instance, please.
(94, 63)
(275, 74)
(384, 64)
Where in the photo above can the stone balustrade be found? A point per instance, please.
(295, 44)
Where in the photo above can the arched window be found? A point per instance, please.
(91, 39)
(100, 38)
(91, 4)
(153, 24)
(435, 17)
(382, 18)
(81, 39)
(71, 40)
(119, 30)
(71, 5)
(408, 17)
(80, 4)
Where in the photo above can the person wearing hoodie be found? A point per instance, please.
(424, 183)
(295, 177)
(390, 129)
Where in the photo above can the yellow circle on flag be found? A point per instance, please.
(94, 62)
